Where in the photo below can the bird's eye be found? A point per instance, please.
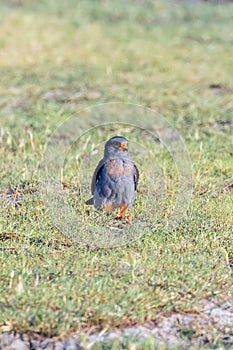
(117, 144)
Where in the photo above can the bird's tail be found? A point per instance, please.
(90, 201)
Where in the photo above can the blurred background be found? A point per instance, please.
(163, 54)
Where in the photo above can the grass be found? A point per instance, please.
(55, 60)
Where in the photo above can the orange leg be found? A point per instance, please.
(121, 211)
(130, 218)
(107, 207)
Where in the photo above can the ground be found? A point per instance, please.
(56, 59)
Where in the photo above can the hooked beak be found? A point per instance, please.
(124, 146)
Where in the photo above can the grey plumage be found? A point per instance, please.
(115, 178)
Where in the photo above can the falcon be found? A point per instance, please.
(115, 178)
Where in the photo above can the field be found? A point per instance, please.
(56, 59)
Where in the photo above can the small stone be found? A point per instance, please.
(59, 345)
(72, 344)
(18, 344)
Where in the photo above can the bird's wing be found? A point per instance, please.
(136, 176)
(95, 180)
(95, 175)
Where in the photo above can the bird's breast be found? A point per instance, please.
(119, 167)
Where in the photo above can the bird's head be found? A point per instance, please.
(116, 145)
